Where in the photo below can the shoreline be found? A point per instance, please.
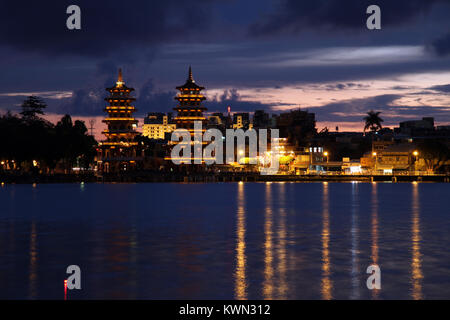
(152, 177)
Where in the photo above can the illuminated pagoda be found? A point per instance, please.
(189, 108)
(119, 152)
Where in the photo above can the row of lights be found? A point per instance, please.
(415, 153)
(35, 163)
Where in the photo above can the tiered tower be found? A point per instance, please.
(119, 151)
(189, 108)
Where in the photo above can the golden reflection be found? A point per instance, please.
(282, 287)
(268, 257)
(240, 277)
(416, 261)
(374, 223)
(326, 286)
(33, 262)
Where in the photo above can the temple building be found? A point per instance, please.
(120, 151)
(189, 108)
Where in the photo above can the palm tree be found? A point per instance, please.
(373, 121)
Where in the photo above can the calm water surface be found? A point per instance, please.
(225, 240)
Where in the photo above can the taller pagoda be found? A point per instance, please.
(119, 152)
(189, 108)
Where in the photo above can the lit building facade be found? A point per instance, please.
(119, 152)
(242, 121)
(399, 158)
(157, 125)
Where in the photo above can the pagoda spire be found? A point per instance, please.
(120, 78)
(190, 77)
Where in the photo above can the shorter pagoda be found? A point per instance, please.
(120, 151)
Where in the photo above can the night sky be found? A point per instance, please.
(259, 54)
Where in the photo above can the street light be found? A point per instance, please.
(415, 154)
(326, 155)
(374, 154)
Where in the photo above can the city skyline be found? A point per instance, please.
(209, 152)
(98, 126)
(248, 56)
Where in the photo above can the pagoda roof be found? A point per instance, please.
(122, 87)
(120, 98)
(190, 82)
(190, 107)
(120, 84)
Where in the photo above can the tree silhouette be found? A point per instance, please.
(373, 121)
(435, 153)
(29, 139)
(74, 144)
(33, 106)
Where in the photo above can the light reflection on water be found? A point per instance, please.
(374, 231)
(416, 260)
(282, 286)
(327, 284)
(225, 240)
(241, 282)
(268, 246)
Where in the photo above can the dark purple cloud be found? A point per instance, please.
(441, 46)
(294, 16)
(233, 99)
(441, 88)
(225, 41)
(152, 100)
(108, 27)
(352, 109)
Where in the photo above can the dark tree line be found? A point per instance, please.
(34, 143)
(435, 153)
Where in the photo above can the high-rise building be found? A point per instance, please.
(119, 152)
(157, 125)
(297, 125)
(261, 120)
(242, 121)
(218, 121)
(414, 128)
